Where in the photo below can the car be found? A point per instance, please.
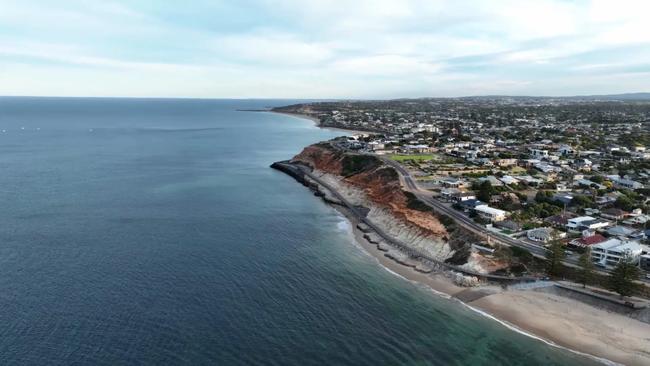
(647, 276)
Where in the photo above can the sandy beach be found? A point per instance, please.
(558, 320)
(608, 337)
(572, 324)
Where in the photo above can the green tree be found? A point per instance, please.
(554, 257)
(485, 191)
(543, 196)
(623, 277)
(597, 179)
(624, 203)
(586, 268)
(581, 201)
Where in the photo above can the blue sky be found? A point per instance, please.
(323, 49)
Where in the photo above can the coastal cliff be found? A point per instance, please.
(379, 182)
(369, 182)
(369, 188)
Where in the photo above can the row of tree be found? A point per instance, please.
(621, 280)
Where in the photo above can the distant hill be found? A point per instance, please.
(626, 96)
(606, 97)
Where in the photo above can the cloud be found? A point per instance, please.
(326, 49)
(271, 48)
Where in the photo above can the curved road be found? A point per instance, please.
(391, 240)
(470, 225)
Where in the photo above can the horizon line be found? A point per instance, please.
(332, 99)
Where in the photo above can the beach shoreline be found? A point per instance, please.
(510, 308)
(318, 124)
(552, 319)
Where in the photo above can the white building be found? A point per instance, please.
(544, 234)
(490, 213)
(529, 180)
(610, 252)
(507, 179)
(537, 153)
(585, 223)
(566, 150)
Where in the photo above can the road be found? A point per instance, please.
(468, 224)
(391, 240)
(461, 219)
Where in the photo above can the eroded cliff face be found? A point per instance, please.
(379, 182)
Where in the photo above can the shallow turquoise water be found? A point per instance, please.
(153, 232)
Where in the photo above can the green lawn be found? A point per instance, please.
(415, 157)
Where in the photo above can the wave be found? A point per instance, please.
(345, 225)
(533, 336)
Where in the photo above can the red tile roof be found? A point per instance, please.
(591, 240)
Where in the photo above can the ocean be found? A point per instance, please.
(153, 232)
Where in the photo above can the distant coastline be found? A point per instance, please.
(318, 124)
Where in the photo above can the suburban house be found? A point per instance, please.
(471, 204)
(453, 182)
(544, 234)
(613, 214)
(627, 183)
(509, 180)
(505, 162)
(620, 231)
(448, 194)
(463, 196)
(529, 180)
(539, 154)
(588, 239)
(489, 213)
(610, 252)
(559, 221)
(585, 223)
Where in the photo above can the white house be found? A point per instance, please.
(544, 234)
(585, 223)
(507, 179)
(537, 153)
(610, 252)
(566, 150)
(489, 213)
(547, 168)
(529, 180)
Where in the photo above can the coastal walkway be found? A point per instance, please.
(300, 172)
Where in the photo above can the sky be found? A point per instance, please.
(323, 49)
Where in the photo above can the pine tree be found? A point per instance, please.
(623, 277)
(485, 191)
(554, 257)
(586, 268)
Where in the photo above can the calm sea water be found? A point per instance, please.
(153, 232)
